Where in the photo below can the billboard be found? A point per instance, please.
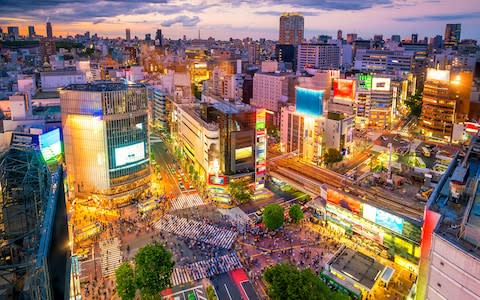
(380, 84)
(383, 218)
(344, 201)
(242, 153)
(438, 75)
(365, 81)
(344, 89)
(217, 180)
(309, 102)
(129, 154)
(50, 144)
(24, 140)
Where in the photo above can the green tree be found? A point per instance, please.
(285, 281)
(153, 269)
(240, 191)
(125, 281)
(296, 213)
(331, 156)
(414, 104)
(211, 293)
(273, 217)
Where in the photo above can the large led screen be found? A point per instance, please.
(243, 153)
(439, 75)
(50, 144)
(129, 154)
(309, 102)
(344, 201)
(383, 218)
(344, 89)
(365, 81)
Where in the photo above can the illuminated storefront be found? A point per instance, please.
(399, 236)
(260, 148)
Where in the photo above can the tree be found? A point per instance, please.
(153, 269)
(273, 217)
(285, 281)
(240, 191)
(414, 104)
(125, 281)
(296, 213)
(211, 293)
(331, 156)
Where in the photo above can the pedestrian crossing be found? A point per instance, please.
(184, 201)
(111, 256)
(205, 268)
(196, 230)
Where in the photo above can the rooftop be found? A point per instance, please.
(102, 86)
(46, 95)
(457, 199)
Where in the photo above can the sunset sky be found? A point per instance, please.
(255, 18)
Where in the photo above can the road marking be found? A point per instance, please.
(228, 292)
(244, 291)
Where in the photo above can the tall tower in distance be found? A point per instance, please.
(49, 30)
(127, 34)
(339, 35)
(452, 35)
(31, 31)
(291, 29)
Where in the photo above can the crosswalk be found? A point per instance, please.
(111, 256)
(205, 268)
(196, 230)
(186, 201)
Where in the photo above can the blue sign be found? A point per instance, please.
(309, 102)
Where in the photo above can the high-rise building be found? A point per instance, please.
(318, 56)
(351, 37)
(31, 31)
(106, 142)
(127, 34)
(450, 257)
(159, 38)
(396, 38)
(13, 32)
(47, 48)
(339, 35)
(148, 37)
(414, 38)
(446, 101)
(437, 42)
(452, 35)
(378, 37)
(49, 30)
(253, 53)
(291, 29)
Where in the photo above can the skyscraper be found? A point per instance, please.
(291, 29)
(339, 35)
(49, 30)
(31, 31)
(13, 32)
(452, 35)
(106, 140)
(127, 34)
(159, 38)
(414, 38)
(396, 38)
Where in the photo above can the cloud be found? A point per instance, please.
(93, 10)
(447, 17)
(184, 20)
(322, 4)
(278, 13)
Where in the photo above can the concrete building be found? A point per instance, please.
(446, 101)
(51, 81)
(106, 142)
(452, 35)
(450, 257)
(383, 61)
(291, 29)
(13, 32)
(318, 56)
(49, 30)
(31, 31)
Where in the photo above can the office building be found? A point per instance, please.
(49, 30)
(47, 48)
(396, 38)
(291, 29)
(31, 32)
(13, 32)
(450, 256)
(446, 101)
(339, 35)
(106, 141)
(383, 61)
(437, 42)
(148, 37)
(318, 56)
(159, 38)
(253, 50)
(452, 35)
(414, 39)
(351, 37)
(127, 35)
(286, 54)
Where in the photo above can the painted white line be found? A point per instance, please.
(243, 289)
(228, 292)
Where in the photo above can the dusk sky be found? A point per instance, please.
(255, 18)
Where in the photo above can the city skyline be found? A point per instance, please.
(223, 19)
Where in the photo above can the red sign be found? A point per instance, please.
(344, 201)
(344, 88)
(217, 180)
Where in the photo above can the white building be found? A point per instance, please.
(51, 81)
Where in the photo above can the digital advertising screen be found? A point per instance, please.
(309, 102)
(50, 144)
(383, 218)
(344, 89)
(129, 154)
(438, 75)
(344, 201)
(217, 180)
(380, 84)
(365, 81)
(243, 153)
